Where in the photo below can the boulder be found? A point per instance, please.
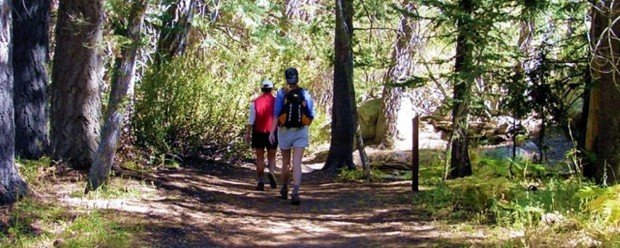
(368, 113)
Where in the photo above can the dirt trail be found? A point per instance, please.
(216, 206)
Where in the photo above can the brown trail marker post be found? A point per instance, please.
(415, 155)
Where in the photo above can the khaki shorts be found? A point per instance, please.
(293, 137)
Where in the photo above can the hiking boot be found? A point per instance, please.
(272, 181)
(284, 192)
(295, 199)
(260, 186)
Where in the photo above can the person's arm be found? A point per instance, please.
(251, 120)
(309, 104)
(279, 104)
(277, 108)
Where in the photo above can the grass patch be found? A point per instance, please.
(35, 223)
(42, 222)
(345, 175)
(518, 195)
(32, 170)
(116, 188)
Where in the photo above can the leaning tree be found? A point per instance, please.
(408, 41)
(121, 81)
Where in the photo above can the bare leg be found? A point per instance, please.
(271, 160)
(260, 163)
(298, 153)
(286, 162)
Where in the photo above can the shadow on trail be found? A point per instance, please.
(207, 206)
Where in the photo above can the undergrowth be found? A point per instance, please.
(38, 221)
(346, 175)
(520, 195)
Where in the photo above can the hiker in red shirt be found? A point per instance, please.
(259, 125)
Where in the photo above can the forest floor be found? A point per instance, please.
(215, 205)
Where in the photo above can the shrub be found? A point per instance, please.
(603, 203)
(183, 105)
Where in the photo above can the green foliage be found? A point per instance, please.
(32, 169)
(116, 188)
(522, 169)
(185, 105)
(522, 200)
(36, 224)
(346, 175)
(203, 97)
(603, 203)
(527, 208)
(94, 230)
(320, 129)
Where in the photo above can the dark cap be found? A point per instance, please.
(291, 75)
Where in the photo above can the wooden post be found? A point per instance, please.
(415, 155)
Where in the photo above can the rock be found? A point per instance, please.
(584, 240)
(553, 219)
(368, 113)
(59, 243)
(385, 159)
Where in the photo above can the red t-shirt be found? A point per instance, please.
(264, 105)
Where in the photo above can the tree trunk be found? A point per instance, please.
(121, 81)
(460, 165)
(11, 184)
(75, 89)
(605, 94)
(588, 168)
(405, 47)
(30, 39)
(175, 31)
(344, 112)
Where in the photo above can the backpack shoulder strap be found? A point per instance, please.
(298, 90)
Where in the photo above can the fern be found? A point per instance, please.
(603, 203)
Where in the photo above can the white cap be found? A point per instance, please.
(266, 84)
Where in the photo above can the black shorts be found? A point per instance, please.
(261, 140)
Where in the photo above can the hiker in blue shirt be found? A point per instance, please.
(294, 111)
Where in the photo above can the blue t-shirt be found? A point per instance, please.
(280, 103)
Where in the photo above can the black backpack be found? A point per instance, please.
(293, 113)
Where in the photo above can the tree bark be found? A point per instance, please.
(605, 94)
(175, 31)
(75, 89)
(460, 164)
(588, 168)
(11, 184)
(31, 44)
(121, 81)
(405, 47)
(344, 112)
